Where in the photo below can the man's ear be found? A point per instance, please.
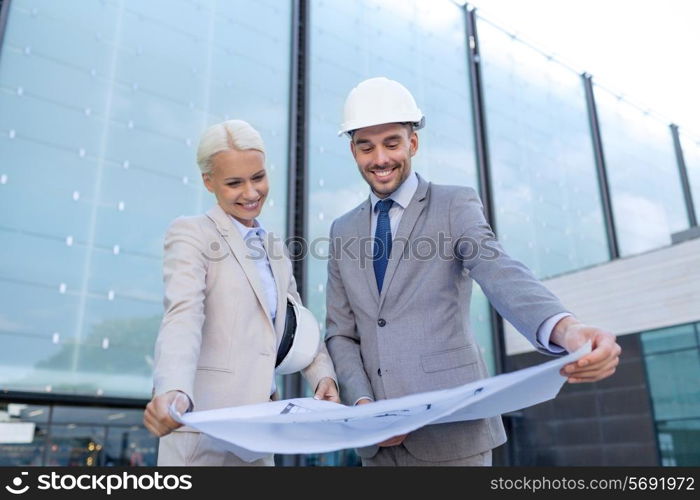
(413, 143)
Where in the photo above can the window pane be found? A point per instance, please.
(99, 157)
(23, 431)
(669, 339)
(645, 186)
(691, 155)
(548, 208)
(673, 379)
(130, 446)
(679, 443)
(75, 445)
(480, 317)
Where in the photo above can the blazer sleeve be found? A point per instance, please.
(321, 366)
(179, 339)
(510, 286)
(342, 339)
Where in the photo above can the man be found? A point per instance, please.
(397, 322)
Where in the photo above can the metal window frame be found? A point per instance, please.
(4, 14)
(483, 162)
(297, 180)
(599, 156)
(297, 218)
(46, 398)
(683, 172)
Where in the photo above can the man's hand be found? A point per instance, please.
(594, 366)
(327, 390)
(392, 441)
(157, 419)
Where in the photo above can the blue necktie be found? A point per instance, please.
(382, 241)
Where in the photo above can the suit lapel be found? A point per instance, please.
(277, 266)
(400, 242)
(365, 244)
(240, 252)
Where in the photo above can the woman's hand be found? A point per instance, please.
(327, 390)
(157, 417)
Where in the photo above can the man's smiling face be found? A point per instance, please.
(383, 155)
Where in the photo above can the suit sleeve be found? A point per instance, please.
(179, 339)
(342, 339)
(509, 285)
(321, 366)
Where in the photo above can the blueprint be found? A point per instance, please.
(306, 425)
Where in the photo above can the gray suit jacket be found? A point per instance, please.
(415, 335)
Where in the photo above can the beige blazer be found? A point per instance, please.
(216, 343)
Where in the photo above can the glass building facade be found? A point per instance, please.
(62, 435)
(691, 154)
(101, 107)
(98, 158)
(672, 358)
(548, 209)
(647, 195)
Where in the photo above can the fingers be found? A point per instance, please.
(593, 369)
(157, 418)
(393, 441)
(604, 348)
(156, 427)
(182, 402)
(592, 374)
(163, 414)
(330, 397)
(600, 376)
(573, 369)
(327, 390)
(600, 363)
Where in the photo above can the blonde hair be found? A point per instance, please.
(231, 134)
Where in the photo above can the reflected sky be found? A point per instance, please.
(99, 157)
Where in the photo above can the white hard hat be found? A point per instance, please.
(300, 340)
(377, 101)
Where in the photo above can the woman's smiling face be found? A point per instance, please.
(239, 181)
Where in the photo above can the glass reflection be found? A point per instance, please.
(645, 186)
(691, 155)
(61, 436)
(98, 158)
(672, 358)
(23, 432)
(548, 208)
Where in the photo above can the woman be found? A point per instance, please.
(226, 286)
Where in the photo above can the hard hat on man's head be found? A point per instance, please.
(377, 101)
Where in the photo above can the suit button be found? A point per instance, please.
(379, 372)
(381, 322)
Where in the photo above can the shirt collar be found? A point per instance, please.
(403, 195)
(249, 232)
